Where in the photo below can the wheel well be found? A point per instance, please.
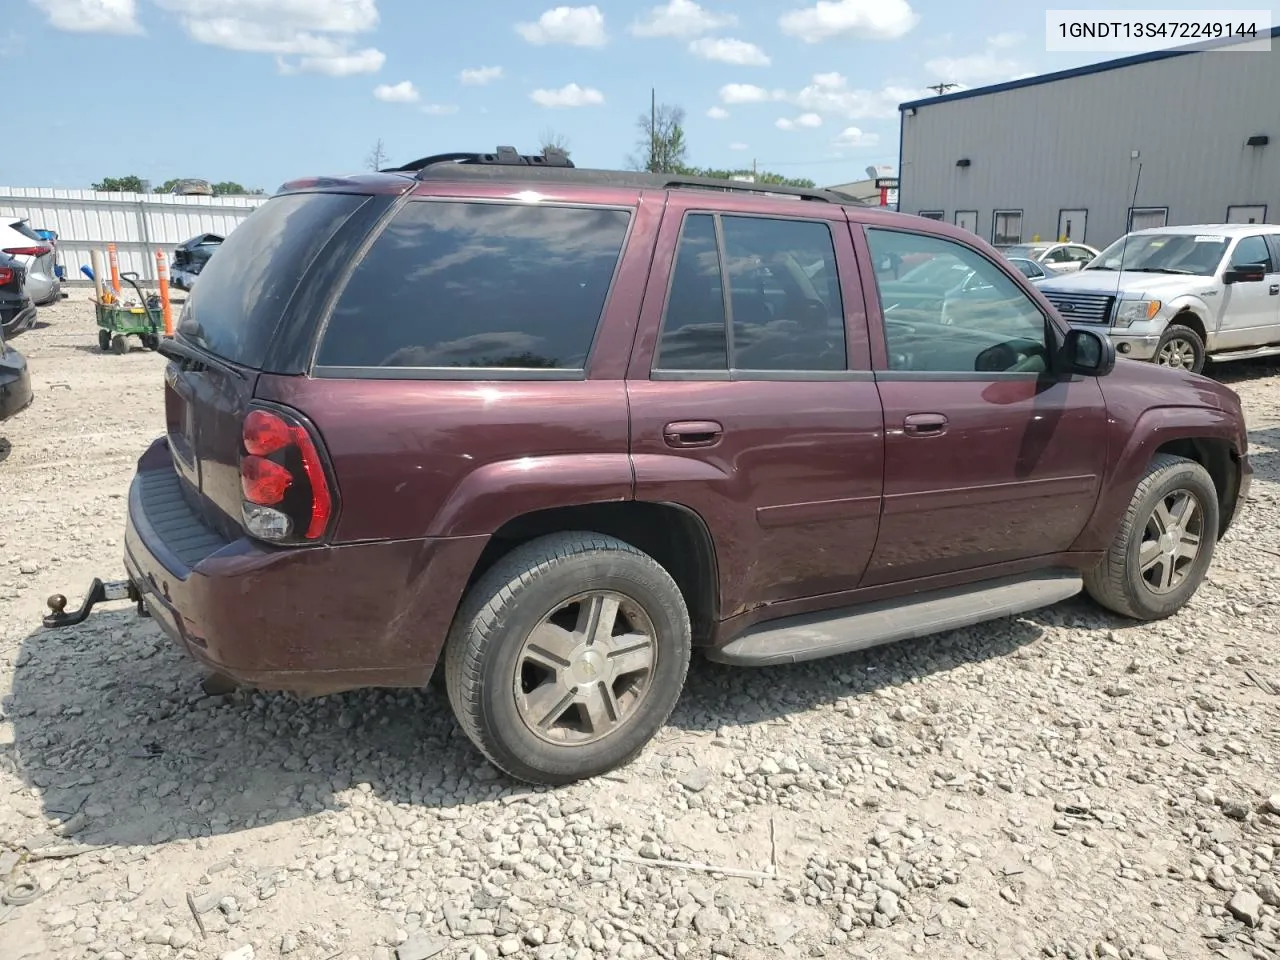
(673, 535)
(1186, 318)
(1217, 457)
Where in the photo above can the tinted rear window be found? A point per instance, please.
(243, 289)
(454, 284)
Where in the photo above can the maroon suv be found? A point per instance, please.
(560, 426)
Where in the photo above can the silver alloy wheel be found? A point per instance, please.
(1177, 353)
(585, 669)
(1171, 541)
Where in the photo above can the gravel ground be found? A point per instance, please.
(1065, 784)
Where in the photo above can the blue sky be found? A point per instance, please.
(258, 91)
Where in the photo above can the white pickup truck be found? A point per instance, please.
(1179, 295)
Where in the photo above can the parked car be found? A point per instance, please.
(36, 256)
(15, 381)
(1180, 295)
(489, 411)
(1033, 271)
(189, 258)
(1055, 257)
(17, 312)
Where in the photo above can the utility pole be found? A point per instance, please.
(753, 167)
(942, 88)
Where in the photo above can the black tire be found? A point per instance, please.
(1183, 342)
(119, 344)
(1117, 582)
(151, 341)
(498, 614)
(104, 340)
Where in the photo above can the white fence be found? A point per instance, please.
(137, 223)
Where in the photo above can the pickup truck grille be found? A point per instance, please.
(1082, 307)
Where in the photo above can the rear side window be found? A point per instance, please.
(472, 285)
(245, 287)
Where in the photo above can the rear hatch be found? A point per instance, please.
(272, 267)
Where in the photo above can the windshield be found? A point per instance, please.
(1192, 254)
(1031, 253)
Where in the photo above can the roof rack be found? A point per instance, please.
(554, 164)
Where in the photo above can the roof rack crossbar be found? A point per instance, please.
(504, 157)
(750, 186)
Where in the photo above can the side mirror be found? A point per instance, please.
(1089, 352)
(1245, 273)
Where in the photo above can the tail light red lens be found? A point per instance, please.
(286, 487)
(6, 276)
(26, 251)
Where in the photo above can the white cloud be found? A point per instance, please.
(402, 92)
(319, 32)
(1002, 41)
(830, 93)
(976, 69)
(680, 18)
(438, 109)
(718, 113)
(574, 26)
(853, 137)
(809, 120)
(479, 76)
(738, 146)
(747, 93)
(570, 95)
(92, 16)
(864, 19)
(728, 50)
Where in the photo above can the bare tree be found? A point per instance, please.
(377, 158)
(549, 138)
(661, 147)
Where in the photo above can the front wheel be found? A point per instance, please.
(567, 657)
(1182, 348)
(1165, 543)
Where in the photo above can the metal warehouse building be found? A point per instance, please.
(1196, 131)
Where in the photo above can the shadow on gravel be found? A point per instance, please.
(1241, 371)
(113, 729)
(6, 448)
(1264, 453)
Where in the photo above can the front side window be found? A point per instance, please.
(455, 284)
(1173, 253)
(1251, 251)
(783, 310)
(987, 325)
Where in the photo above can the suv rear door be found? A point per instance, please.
(989, 459)
(752, 400)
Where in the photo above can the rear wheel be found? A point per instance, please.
(104, 340)
(567, 657)
(119, 344)
(1181, 347)
(1165, 543)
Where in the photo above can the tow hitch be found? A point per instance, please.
(99, 592)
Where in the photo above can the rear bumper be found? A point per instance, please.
(314, 620)
(15, 383)
(17, 317)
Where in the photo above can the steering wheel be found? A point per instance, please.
(1012, 356)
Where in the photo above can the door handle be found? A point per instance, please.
(692, 433)
(1275, 289)
(925, 425)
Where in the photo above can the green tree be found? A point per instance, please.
(661, 147)
(760, 176)
(129, 184)
(167, 186)
(229, 188)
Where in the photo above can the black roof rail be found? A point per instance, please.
(503, 156)
(750, 186)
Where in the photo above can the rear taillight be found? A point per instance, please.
(6, 276)
(287, 494)
(26, 251)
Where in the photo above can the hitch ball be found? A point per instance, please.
(57, 603)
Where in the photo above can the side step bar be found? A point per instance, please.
(1248, 353)
(811, 636)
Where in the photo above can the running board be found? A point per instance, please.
(1270, 350)
(813, 635)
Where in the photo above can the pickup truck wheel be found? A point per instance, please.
(1165, 543)
(567, 657)
(1181, 347)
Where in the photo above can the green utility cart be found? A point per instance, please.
(144, 319)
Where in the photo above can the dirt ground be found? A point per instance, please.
(1066, 784)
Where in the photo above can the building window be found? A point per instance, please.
(1006, 227)
(967, 220)
(1146, 218)
(1253, 213)
(934, 214)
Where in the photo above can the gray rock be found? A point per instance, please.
(710, 922)
(1246, 907)
(883, 737)
(289, 943)
(697, 779)
(1235, 808)
(421, 946)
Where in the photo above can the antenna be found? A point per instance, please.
(1124, 244)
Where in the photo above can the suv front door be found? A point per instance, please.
(989, 457)
(1250, 311)
(752, 399)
